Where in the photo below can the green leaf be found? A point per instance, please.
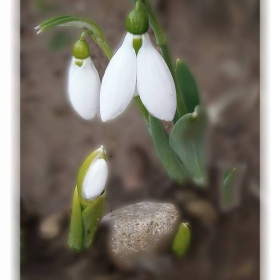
(91, 219)
(230, 189)
(176, 117)
(75, 238)
(187, 85)
(187, 139)
(46, 22)
(67, 20)
(182, 240)
(59, 40)
(169, 159)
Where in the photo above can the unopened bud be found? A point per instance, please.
(81, 49)
(137, 22)
(88, 201)
(182, 240)
(93, 174)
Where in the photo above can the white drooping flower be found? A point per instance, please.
(94, 180)
(146, 73)
(83, 82)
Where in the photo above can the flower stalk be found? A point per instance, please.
(101, 42)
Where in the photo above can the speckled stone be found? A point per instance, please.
(145, 227)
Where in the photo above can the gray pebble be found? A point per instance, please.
(141, 228)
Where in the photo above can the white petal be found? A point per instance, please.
(84, 88)
(95, 179)
(118, 83)
(154, 82)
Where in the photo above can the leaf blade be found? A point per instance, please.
(169, 159)
(187, 139)
(68, 20)
(91, 218)
(75, 238)
(187, 85)
(46, 22)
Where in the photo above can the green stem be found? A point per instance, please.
(143, 109)
(100, 42)
(82, 37)
(138, 4)
(103, 45)
(162, 43)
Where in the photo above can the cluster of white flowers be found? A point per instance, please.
(136, 68)
(127, 75)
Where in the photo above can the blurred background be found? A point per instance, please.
(219, 40)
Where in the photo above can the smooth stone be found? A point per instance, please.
(141, 228)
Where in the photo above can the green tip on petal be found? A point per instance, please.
(137, 43)
(79, 62)
(137, 22)
(81, 49)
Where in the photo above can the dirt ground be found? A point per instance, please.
(219, 40)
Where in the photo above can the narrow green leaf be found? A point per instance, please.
(75, 238)
(91, 218)
(169, 159)
(70, 21)
(176, 117)
(187, 139)
(182, 240)
(230, 188)
(56, 22)
(46, 22)
(187, 85)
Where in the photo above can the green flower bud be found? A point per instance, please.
(88, 201)
(137, 22)
(182, 240)
(81, 49)
(87, 177)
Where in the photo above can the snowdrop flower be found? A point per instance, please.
(145, 72)
(93, 175)
(83, 82)
(88, 200)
